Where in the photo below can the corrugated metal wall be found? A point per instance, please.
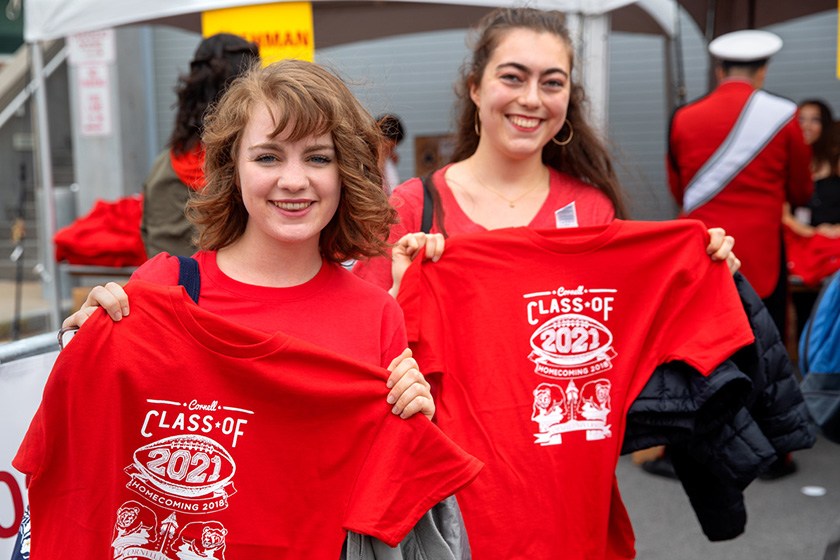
(806, 66)
(410, 76)
(172, 51)
(637, 116)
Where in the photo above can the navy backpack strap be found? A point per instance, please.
(189, 278)
(428, 205)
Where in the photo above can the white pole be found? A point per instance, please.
(48, 219)
(590, 33)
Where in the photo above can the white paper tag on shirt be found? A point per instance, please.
(566, 217)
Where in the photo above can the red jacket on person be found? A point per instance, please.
(750, 206)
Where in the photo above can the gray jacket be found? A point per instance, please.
(439, 535)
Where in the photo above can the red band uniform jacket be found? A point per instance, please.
(750, 206)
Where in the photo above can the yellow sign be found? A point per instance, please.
(281, 30)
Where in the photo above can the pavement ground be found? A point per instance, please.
(784, 522)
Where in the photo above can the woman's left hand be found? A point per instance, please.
(410, 392)
(404, 251)
(720, 249)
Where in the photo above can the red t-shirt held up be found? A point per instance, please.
(175, 433)
(542, 340)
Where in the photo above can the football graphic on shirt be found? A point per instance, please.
(186, 465)
(571, 339)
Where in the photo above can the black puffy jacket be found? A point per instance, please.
(724, 429)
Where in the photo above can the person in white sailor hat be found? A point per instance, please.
(747, 45)
(736, 156)
(742, 51)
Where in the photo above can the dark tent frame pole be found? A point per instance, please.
(19, 237)
(678, 59)
(711, 16)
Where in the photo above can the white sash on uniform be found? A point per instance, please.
(760, 120)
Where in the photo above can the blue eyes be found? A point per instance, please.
(315, 159)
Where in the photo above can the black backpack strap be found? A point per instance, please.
(428, 205)
(189, 277)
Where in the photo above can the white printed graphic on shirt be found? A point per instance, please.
(571, 341)
(188, 473)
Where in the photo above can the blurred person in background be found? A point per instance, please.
(178, 171)
(821, 215)
(393, 133)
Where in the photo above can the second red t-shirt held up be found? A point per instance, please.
(538, 342)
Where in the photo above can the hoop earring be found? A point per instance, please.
(476, 123)
(567, 140)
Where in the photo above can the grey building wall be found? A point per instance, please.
(172, 51)
(112, 165)
(411, 76)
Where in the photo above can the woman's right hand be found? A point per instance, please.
(111, 297)
(404, 251)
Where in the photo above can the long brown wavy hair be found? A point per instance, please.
(310, 101)
(585, 157)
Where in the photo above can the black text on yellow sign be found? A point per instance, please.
(281, 30)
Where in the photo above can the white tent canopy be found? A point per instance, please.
(52, 19)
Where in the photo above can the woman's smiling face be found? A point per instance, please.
(811, 123)
(291, 189)
(523, 95)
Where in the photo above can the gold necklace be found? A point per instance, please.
(511, 202)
